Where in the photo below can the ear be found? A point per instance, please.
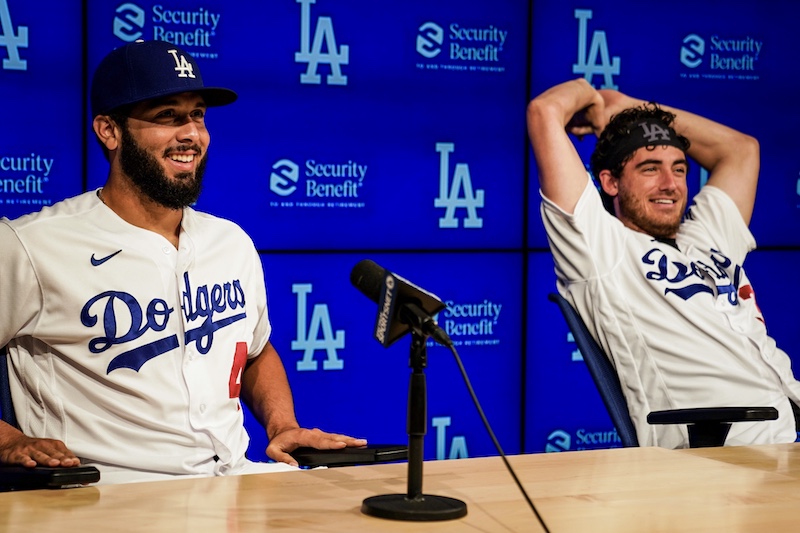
(609, 183)
(107, 131)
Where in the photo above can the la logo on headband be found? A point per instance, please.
(182, 66)
(653, 132)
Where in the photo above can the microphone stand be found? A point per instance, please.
(415, 505)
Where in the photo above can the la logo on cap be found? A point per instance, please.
(182, 66)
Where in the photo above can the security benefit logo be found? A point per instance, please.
(322, 49)
(461, 47)
(23, 179)
(457, 196)
(316, 337)
(318, 184)
(193, 27)
(720, 57)
(12, 39)
(472, 323)
(560, 440)
(594, 58)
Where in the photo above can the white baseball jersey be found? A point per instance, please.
(681, 325)
(129, 350)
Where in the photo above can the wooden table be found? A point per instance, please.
(753, 489)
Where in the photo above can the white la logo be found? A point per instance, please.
(313, 55)
(449, 195)
(458, 446)
(182, 66)
(12, 42)
(608, 66)
(309, 341)
(654, 132)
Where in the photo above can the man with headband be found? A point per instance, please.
(661, 288)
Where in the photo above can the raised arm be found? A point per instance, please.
(573, 106)
(732, 158)
(265, 389)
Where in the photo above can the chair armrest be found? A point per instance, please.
(712, 414)
(709, 426)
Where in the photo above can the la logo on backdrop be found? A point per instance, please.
(12, 40)
(316, 334)
(323, 49)
(595, 60)
(24, 173)
(457, 195)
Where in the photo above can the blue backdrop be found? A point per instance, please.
(396, 132)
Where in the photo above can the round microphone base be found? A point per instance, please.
(425, 508)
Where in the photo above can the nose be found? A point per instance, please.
(188, 131)
(667, 181)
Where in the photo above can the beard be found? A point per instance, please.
(149, 177)
(634, 210)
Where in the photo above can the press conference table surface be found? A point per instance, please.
(754, 488)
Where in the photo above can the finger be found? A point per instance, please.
(277, 454)
(335, 440)
(53, 453)
(22, 460)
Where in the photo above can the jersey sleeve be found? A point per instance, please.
(714, 221)
(20, 292)
(587, 243)
(263, 326)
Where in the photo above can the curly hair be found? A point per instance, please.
(619, 128)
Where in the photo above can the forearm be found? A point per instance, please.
(732, 158)
(713, 144)
(577, 107)
(265, 390)
(562, 102)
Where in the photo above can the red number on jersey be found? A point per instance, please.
(239, 360)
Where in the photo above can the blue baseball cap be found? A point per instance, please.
(149, 69)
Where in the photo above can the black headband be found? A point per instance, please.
(644, 133)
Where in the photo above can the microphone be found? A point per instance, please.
(402, 306)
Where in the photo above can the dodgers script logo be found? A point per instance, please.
(116, 307)
(12, 42)
(678, 276)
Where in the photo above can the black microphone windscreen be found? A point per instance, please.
(368, 277)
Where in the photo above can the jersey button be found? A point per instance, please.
(166, 250)
(202, 408)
